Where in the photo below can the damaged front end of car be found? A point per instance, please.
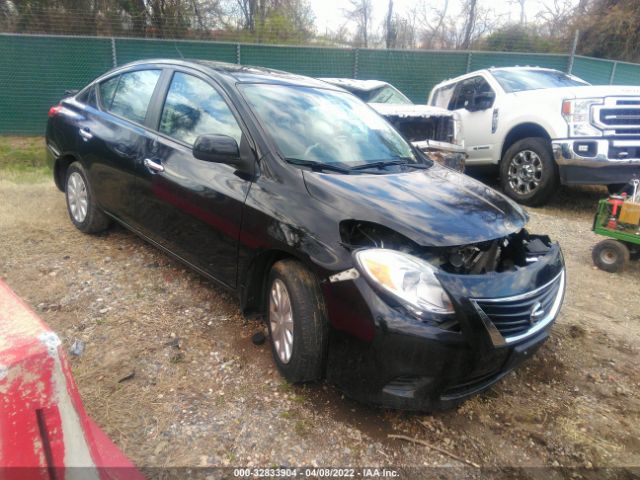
(447, 322)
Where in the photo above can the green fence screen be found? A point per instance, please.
(36, 70)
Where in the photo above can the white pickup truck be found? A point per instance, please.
(543, 128)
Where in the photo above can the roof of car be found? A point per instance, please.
(353, 84)
(239, 73)
(491, 70)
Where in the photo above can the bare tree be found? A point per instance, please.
(390, 30)
(470, 22)
(360, 13)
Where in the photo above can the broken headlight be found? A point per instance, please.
(409, 279)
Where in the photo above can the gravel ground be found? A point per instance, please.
(170, 373)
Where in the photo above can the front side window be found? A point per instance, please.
(325, 126)
(442, 96)
(192, 108)
(132, 94)
(468, 91)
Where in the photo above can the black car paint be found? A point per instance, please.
(231, 225)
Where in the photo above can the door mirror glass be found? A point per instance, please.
(216, 148)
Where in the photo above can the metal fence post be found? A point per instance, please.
(238, 53)
(469, 57)
(355, 62)
(613, 73)
(573, 51)
(114, 53)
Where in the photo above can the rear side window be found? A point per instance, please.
(88, 97)
(192, 108)
(132, 94)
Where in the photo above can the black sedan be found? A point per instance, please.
(401, 281)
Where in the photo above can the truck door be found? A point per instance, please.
(473, 100)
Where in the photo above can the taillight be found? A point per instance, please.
(55, 110)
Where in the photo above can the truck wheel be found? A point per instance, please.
(610, 255)
(528, 173)
(81, 205)
(297, 320)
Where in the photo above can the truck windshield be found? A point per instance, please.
(532, 79)
(387, 94)
(326, 127)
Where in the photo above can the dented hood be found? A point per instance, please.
(433, 207)
(409, 111)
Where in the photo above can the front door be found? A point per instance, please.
(189, 206)
(471, 100)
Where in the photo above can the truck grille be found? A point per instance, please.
(618, 116)
(511, 319)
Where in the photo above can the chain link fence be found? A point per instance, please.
(37, 69)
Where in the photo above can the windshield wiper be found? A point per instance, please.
(381, 164)
(317, 166)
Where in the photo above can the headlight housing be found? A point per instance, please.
(410, 280)
(577, 114)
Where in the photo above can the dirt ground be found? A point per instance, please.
(170, 372)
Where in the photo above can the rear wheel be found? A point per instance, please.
(528, 173)
(83, 211)
(297, 321)
(610, 255)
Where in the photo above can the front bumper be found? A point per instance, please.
(383, 355)
(596, 161)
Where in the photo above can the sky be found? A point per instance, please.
(330, 13)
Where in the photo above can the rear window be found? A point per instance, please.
(132, 94)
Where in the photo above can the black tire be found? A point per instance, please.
(541, 184)
(610, 256)
(310, 324)
(95, 220)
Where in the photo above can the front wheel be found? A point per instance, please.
(528, 173)
(297, 321)
(610, 255)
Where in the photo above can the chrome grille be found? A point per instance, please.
(618, 116)
(510, 319)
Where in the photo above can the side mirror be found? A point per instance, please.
(481, 101)
(217, 149)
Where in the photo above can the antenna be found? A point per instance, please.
(178, 50)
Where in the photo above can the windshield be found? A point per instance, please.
(387, 94)
(521, 80)
(325, 126)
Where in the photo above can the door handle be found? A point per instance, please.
(86, 134)
(151, 165)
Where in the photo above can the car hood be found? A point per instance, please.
(433, 207)
(409, 111)
(587, 91)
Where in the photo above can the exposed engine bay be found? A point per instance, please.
(500, 255)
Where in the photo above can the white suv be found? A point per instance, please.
(544, 127)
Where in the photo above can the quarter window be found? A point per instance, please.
(133, 94)
(192, 108)
(107, 89)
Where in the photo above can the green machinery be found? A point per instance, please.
(618, 219)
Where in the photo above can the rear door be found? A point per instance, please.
(189, 206)
(114, 138)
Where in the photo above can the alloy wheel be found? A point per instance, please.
(525, 172)
(77, 197)
(281, 320)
